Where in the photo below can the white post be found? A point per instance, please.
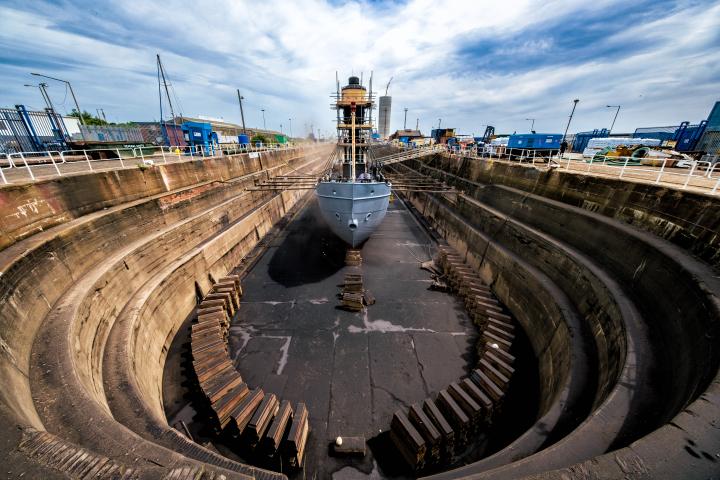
(142, 156)
(2, 175)
(662, 169)
(88, 160)
(162, 152)
(692, 170)
(54, 164)
(622, 170)
(122, 164)
(714, 190)
(32, 177)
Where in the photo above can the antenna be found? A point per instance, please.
(388, 86)
(370, 99)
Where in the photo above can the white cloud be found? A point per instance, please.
(283, 56)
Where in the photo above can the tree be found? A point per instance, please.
(88, 118)
(258, 138)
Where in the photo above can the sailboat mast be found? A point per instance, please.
(167, 92)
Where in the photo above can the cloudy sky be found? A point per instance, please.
(471, 63)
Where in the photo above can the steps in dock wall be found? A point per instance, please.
(107, 258)
(567, 243)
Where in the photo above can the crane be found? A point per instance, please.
(388, 86)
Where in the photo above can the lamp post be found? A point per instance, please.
(575, 102)
(290, 120)
(405, 121)
(242, 114)
(616, 115)
(71, 93)
(532, 126)
(43, 92)
(263, 113)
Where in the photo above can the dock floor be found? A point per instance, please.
(353, 370)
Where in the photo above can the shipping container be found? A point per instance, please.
(535, 141)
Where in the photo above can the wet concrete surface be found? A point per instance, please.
(352, 370)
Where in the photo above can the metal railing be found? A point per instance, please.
(21, 166)
(697, 174)
(700, 175)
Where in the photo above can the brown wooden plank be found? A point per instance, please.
(262, 417)
(487, 385)
(500, 333)
(438, 419)
(297, 436)
(227, 403)
(407, 440)
(276, 432)
(424, 425)
(243, 411)
(497, 362)
(479, 396)
(503, 355)
(500, 342)
(457, 417)
(494, 374)
(471, 408)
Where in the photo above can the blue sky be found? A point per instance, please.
(469, 63)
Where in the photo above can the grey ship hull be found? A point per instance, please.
(353, 210)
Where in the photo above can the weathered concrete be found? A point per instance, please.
(687, 219)
(94, 270)
(666, 364)
(98, 272)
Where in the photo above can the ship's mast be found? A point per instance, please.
(352, 139)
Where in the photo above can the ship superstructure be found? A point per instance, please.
(354, 195)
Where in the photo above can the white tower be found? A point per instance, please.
(385, 104)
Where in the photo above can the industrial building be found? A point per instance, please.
(228, 132)
(710, 140)
(406, 136)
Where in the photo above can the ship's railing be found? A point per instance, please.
(32, 166)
